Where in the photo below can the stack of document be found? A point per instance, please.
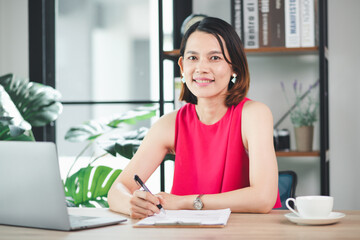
(206, 218)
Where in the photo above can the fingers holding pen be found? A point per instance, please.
(147, 196)
(143, 204)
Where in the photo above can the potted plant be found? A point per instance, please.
(303, 115)
(24, 104)
(100, 134)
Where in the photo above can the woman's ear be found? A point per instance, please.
(180, 63)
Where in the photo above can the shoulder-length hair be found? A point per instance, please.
(219, 28)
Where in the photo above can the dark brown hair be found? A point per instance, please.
(219, 28)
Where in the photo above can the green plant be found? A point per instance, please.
(303, 112)
(104, 135)
(24, 104)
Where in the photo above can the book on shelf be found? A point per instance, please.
(277, 23)
(264, 23)
(307, 18)
(292, 23)
(271, 23)
(251, 23)
(316, 22)
(237, 17)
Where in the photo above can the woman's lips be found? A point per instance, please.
(203, 81)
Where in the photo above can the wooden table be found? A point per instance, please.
(240, 226)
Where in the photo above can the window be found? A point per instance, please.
(107, 62)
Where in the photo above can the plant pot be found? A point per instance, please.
(304, 138)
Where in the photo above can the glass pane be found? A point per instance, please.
(74, 115)
(107, 50)
(169, 80)
(168, 65)
(213, 8)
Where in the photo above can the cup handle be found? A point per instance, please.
(290, 208)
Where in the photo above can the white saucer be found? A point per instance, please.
(334, 217)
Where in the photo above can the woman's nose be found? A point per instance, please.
(202, 65)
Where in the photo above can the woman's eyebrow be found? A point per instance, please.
(192, 52)
(209, 53)
(215, 52)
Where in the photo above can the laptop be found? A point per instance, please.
(32, 192)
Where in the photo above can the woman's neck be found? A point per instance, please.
(210, 112)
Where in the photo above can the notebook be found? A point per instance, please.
(187, 218)
(32, 192)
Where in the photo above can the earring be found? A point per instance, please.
(234, 78)
(183, 78)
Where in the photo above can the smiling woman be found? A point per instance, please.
(223, 141)
(224, 50)
(207, 72)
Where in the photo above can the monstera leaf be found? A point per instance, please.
(93, 129)
(87, 131)
(128, 144)
(9, 132)
(24, 104)
(125, 145)
(131, 117)
(90, 185)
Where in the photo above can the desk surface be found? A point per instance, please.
(240, 226)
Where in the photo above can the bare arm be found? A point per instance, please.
(260, 196)
(124, 196)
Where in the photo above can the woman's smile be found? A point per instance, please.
(204, 66)
(201, 81)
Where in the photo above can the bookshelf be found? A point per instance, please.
(320, 51)
(281, 50)
(175, 54)
(298, 154)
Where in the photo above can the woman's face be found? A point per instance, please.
(205, 69)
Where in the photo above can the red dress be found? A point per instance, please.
(210, 158)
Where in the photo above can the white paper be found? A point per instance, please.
(188, 217)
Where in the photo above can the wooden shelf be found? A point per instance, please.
(298, 154)
(173, 53)
(283, 50)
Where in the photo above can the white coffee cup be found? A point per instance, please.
(312, 206)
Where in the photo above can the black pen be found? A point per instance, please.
(140, 182)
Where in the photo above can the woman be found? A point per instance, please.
(223, 141)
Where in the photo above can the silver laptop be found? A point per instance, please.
(31, 189)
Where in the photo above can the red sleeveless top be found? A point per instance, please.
(210, 158)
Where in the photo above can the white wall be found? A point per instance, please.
(266, 73)
(14, 54)
(344, 89)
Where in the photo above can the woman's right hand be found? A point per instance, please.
(143, 204)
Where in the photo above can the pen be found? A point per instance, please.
(140, 182)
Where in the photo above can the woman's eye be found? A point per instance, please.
(215, 58)
(192, 58)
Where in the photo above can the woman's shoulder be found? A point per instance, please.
(168, 119)
(257, 114)
(256, 108)
(248, 106)
(171, 116)
(163, 130)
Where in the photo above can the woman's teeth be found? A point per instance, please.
(203, 81)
